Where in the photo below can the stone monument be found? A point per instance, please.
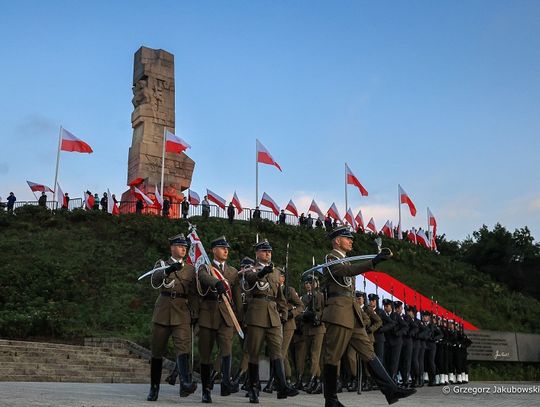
(153, 112)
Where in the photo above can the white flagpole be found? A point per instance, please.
(256, 176)
(428, 228)
(399, 207)
(57, 160)
(346, 205)
(163, 160)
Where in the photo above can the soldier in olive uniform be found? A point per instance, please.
(215, 319)
(266, 302)
(175, 307)
(343, 320)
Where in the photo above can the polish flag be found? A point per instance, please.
(433, 242)
(110, 202)
(263, 156)
(422, 239)
(174, 144)
(193, 198)
(371, 225)
(136, 182)
(359, 220)
(315, 208)
(38, 187)
(159, 199)
(236, 203)
(291, 207)
(333, 212)
(352, 180)
(432, 222)
(219, 201)
(404, 199)
(387, 229)
(60, 197)
(349, 218)
(411, 236)
(71, 143)
(141, 195)
(269, 203)
(89, 200)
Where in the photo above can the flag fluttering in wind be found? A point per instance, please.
(411, 236)
(352, 180)
(110, 202)
(432, 222)
(270, 203)
(333, 212)
(359, 220)
(193, 198)
(291, 207)
(422, 239)
(405, 199)
(236, 203)
(38, 187)
(61, 197)
(219, 201)
(371, 225)
(89, 201)
(387, 229)
(73, 144)
(175, 144)
(159, 199)
(349, 217)
(264, 156)
(315, 208)
(141, 195)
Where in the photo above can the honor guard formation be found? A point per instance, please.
(330, 333)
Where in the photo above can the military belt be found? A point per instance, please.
(173, 294)
(264, 297)
(344, 294)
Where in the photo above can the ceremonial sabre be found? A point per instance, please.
(337, 261)
(149, 273)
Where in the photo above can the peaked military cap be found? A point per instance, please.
(359, 293)
(372, 297)
(281, 270)
(387, 301)
(424, 313)
(342, 231)
(220, 242)
(264, 245)
(310, 278)
(247, 262)
(178, 240)
(397, 304)
(410, 308)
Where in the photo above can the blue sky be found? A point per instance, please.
(441, 97)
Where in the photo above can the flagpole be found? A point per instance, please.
(399, 208)
(256, 176)
(163, 160)
(427, 210)
(57, 161)
(346, 204)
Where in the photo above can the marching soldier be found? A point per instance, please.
(344, 323)
(266, 302)
(175, 307)
(215, 317)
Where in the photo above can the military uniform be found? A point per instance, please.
(407, 348)
(394, 341)
(173, 311)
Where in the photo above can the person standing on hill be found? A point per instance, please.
(185, 208)
(42, 201)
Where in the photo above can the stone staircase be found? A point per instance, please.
(99, 361)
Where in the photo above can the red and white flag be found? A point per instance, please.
(291, 207)
(141, 195)
(270, 203)
(371, 225)
(422, 239)
(411, 236)
(236, 203)
(38, 187)
(71, 143)
(89, 201)
(175, 144)
(349, 218)
(352, 180)
(60, 197)
(264, 156)
(193, 198)
(359, 220)
(333, 212)
(315, 208)
(219, 201)
(159, 199)
(387, 229)
(433, 241)
(405, 199)
(432, 222)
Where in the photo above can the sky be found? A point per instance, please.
(441, 97)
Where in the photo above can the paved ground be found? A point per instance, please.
(21, 394)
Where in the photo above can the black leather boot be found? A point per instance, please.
(171, 378)
(227, 387)
(187, 386)
(387, 386)
(353, 384)
(298, 385)
(156, 366)
(330, 387)
(253, 380)
(317, 386)
(213, 377)
(269, 388)
(205, 381)
(283, 389)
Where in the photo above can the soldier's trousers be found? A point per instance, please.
(430, 362)
(299, 354)
(207, 337)
(391, 357)
(337, 339)
(352, 361)
(415, 368)
(405, 359)
(181, 335)
(287, 337)
(421, 362)
(313, 344)
(379, 350)
(440, 359)
(256, 335)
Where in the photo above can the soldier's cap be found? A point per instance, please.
(281, 270)
(450, 321)
(397, 304)
(342, 231)
(372, 297)
(220, 242)
(410, 308)
(387, 301)
(424, 313)
(247, 262)
(264, 245)
(310, 278)
(178, 240)
(359, 293)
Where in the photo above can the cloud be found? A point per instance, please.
(36, 126)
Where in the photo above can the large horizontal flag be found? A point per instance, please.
(269, 203)
(175, 144)
(141, 195)
(349, 217)
(371, 225)
(352, 180)
(38, 187)
(219, 201)
(405, 199)
(193, 198)
(291, 207)
(71, 143)
(264, 156)
(360, 220)
(236, 202)
(333, 212)
(315, 208)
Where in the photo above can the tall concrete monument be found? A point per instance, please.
(153, 112)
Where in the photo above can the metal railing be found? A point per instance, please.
(74, 203)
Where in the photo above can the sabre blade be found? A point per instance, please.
(149, 273)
